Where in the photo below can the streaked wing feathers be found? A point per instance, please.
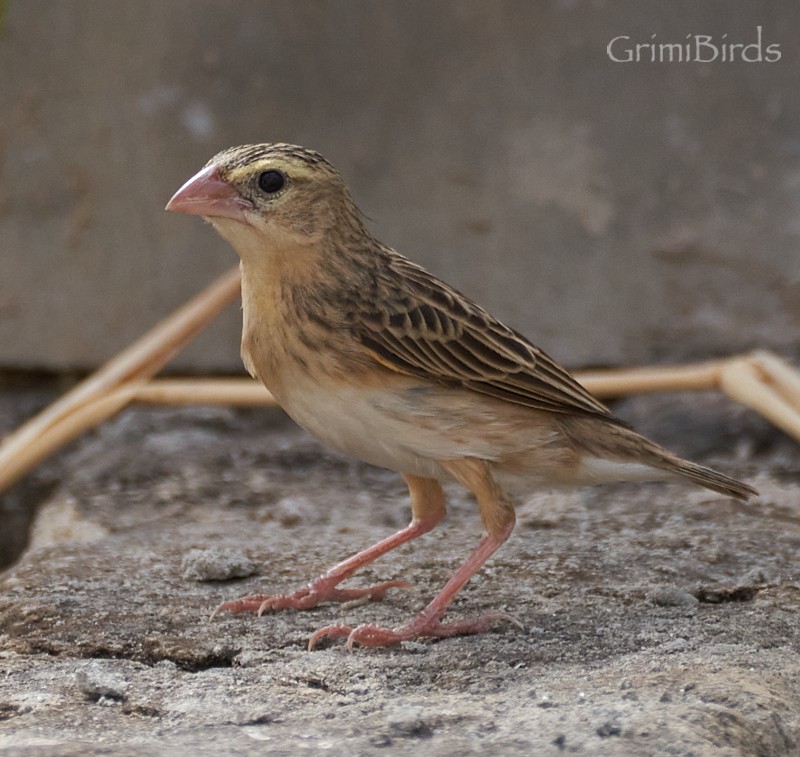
(426, 329)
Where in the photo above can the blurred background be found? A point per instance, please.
(615, 212)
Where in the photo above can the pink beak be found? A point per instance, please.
(207, 194)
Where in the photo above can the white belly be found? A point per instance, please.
(414, 426)
(354, 422)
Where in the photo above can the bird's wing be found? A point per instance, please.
(415, 324)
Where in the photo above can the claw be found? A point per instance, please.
(338, 629)
(236, 606)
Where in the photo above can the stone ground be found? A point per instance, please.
(658, 619)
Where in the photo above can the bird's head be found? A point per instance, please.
(275, 193)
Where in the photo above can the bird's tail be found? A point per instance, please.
(711, 479)
(608, 440)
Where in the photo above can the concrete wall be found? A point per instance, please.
(615, 212)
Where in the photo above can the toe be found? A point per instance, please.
(331, 632)
(369, 635)
(236, 606)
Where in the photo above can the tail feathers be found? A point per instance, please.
(606, 440)
(718, 482)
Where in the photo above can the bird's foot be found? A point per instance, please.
(369, 635)
(308, 597)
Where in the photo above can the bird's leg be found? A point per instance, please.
(427, 509)
(498, 518)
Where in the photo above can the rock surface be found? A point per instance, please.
(657, 619)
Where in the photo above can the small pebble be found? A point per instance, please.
(609, 728)
(671, 596)
(407, 721)
(674, 646)
(97, 683)
(216, 564)
(380, 739)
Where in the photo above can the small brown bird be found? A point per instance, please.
(385, 362)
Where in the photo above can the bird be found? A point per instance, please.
(385, 362)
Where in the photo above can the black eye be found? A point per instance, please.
(271, 181)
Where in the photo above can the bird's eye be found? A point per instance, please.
(271, 181)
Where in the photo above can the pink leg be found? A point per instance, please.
(427, 623)
(428, 508)
(498, 518)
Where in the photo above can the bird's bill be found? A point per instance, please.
(207, 194)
